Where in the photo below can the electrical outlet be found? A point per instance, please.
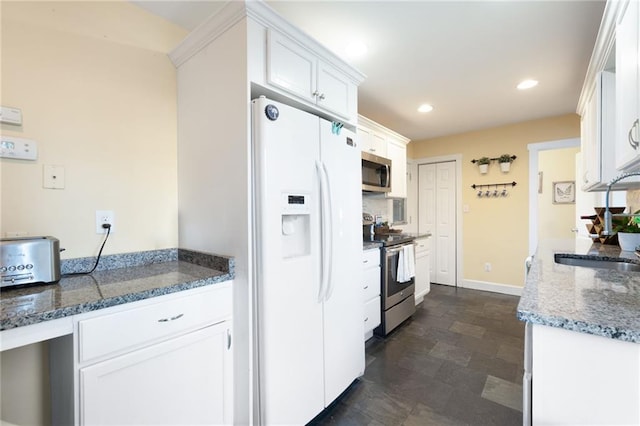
(487, 267)
(104, 216)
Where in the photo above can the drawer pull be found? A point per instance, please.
(365, 261)
(228, 339)
(171, 319)
(366, 319)
(366, 287)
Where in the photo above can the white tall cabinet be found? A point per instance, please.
(244, 51)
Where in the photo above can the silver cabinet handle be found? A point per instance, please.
(228, 339)
(171, 318)
(321, 96)
(365, 261)
(366, 287)
(634, 143)
(372, 149)
(315, 93)
(366, 319)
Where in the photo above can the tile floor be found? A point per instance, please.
(457, 361)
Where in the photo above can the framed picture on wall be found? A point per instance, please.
(564, 192)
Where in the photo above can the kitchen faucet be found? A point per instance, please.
(607, 214)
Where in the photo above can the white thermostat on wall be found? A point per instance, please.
(18, 148)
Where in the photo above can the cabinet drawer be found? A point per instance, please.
(371, 285)
(371, 258)
(372, 314)
(422, 245)
(135, 327)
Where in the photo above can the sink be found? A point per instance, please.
(624, 265)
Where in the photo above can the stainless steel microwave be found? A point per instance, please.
(376, 173)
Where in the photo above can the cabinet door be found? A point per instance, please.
(185, 380)
(372, 312)
(334, 91)
(422, 278)
(588, 139)
(291, 67)
(397, 152)
(628, 89)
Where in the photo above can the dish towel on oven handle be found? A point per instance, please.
(406, 264)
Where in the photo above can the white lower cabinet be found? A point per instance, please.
(163, 360)
(183, 380)
(583, 379)
(423, 276)
(371, 290)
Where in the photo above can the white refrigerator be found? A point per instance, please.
(309, 307)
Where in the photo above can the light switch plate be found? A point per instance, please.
(53, 177)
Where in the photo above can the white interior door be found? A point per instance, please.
(437, 214)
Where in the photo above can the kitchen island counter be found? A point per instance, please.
(595, 301)
(119, 279)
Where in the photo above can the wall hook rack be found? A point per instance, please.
(495, 192)
(474, 161)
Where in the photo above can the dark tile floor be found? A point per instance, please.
(457, 361)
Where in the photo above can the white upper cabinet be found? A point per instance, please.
(372, 142)
(628, 87)
(397, 152)
(298, 71)
(597, 128)
(378, 140)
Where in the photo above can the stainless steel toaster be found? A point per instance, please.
(28, 260)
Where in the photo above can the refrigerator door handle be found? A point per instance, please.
(324, 258)
(328, 233)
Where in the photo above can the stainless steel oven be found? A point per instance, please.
(397, 297)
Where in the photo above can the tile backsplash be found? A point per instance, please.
(376, 205)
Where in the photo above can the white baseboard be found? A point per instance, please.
(493, 287)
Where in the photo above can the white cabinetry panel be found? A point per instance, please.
(181, 381)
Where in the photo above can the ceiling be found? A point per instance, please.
(463, 57)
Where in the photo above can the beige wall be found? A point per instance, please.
(556, 220)
(98, 94)
(496, 230)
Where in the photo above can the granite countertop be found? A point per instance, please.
(368, 245)
(118, 279)
(596, 301)
(369, 242)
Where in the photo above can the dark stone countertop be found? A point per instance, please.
(589, 300)
(119, 279)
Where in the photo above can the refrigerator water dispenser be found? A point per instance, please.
(296, 233)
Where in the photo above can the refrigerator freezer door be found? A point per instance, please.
(289, 313)
(343, 309)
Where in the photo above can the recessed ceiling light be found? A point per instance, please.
(356, 49)
(425, 108)
(527, 84)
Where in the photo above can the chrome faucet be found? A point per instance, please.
(607, 214)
